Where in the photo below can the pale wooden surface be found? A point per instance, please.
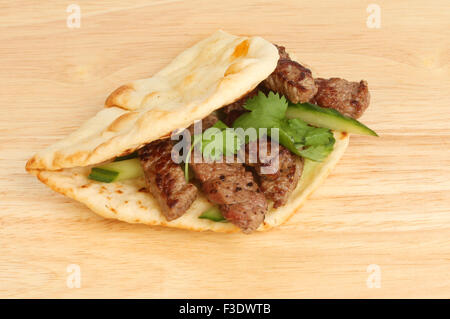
(386, 203)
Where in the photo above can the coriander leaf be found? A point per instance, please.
(271, 105)
(297, 129)
(250, 120)
(298, 124)
(317, 136)
(286, 139)
(317, 153)
(305, 137)
(294, 134)
(266, 112)
(216, 142)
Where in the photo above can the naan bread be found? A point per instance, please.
(213, 73)
(128, 200)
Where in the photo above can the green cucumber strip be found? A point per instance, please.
(125, 157)
(328, 118)
(117, 171)
(102, 175)
(213, 213)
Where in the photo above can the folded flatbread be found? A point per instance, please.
(214, 72)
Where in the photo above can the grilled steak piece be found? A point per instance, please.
(234, 110)
(280, 189)
(165, 179)
(291, 79)
(279, 182)
(233, 188)
(349, 98)
(207, 122)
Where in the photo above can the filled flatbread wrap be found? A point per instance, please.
(137, 161)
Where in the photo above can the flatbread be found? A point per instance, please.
(214, 72)
(129, 201)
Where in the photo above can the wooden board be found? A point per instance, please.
(387, 202)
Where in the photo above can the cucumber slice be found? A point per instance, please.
(213, 213)
(103, 175)
(328, 118)
(117, 171)
(125, 157)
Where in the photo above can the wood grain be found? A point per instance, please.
(386, 203)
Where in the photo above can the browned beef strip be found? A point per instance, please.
(277, 185)
(291, 79)
(233, 188)
(349, 98)
(281, 188)
(165, 179)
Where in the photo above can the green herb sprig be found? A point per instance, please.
(296, 135)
